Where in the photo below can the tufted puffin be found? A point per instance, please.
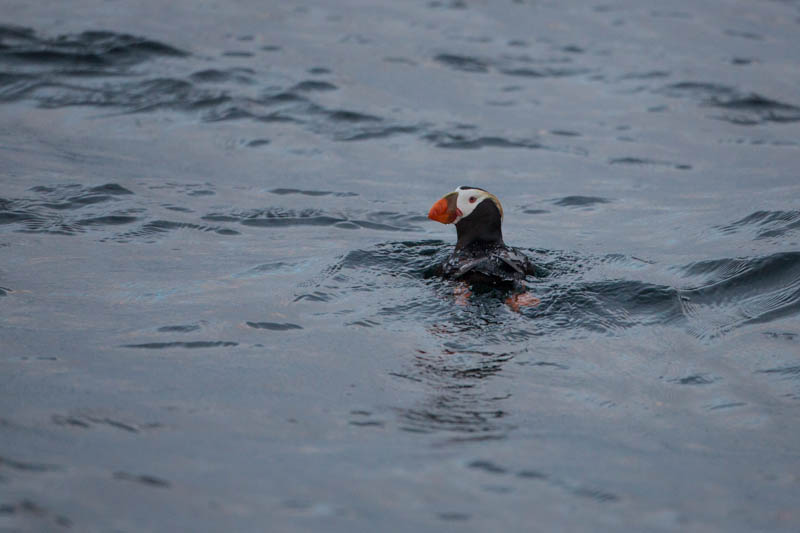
(481, 258)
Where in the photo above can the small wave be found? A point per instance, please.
(575, 488)
(351, 116)
(281, 217)
(314, 85)
(745, 108)
(581, 201)
(76, 196)
(460, 141)
(27, 508)
(255, 143)
(738, 292)
(190, 344)
(766, 224)
(647, 162)
(277, 267)
(68, 209)
(316, 296)
(754, 109)
(150, 481)
(237, 75)
(452, 4)
(157, 228)
(543, 72)
(466, 137)
(463, 63)
(694, 379)
(605, 306)
(512, 65)
(368, 133)
(283, 191)
(646, 75)
(237, 53)
(744, 35)
(406, 258)
(134, 97)
(97, 50)
(85, 421)
(179, 329)
(27, 466)
(109, 220)
(791, 372)
(273, 326)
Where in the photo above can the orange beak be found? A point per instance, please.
(445, 210)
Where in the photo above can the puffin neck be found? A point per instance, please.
(482, 228)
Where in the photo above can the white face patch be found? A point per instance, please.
(468, 200)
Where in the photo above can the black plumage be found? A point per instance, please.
(481, 257)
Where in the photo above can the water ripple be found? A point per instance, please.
(96, 69)
(189, 344)
(89, 51)
(766, 224)
(742, 108)
(736, 292)
(723, 294)
(277, 217)
(69, 209)
(512, 65)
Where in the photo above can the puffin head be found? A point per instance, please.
(477, 214)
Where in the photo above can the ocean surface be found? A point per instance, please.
(214, 307)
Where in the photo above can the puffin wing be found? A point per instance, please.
(472, 264)
(514, 264)
(522, 264)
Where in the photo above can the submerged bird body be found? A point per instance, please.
(495, 266)
(480, 257)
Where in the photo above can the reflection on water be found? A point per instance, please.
(456, 403)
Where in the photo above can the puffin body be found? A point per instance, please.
(480, 256)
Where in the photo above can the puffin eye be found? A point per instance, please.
(472, 199)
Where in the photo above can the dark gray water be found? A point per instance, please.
(213, 256)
